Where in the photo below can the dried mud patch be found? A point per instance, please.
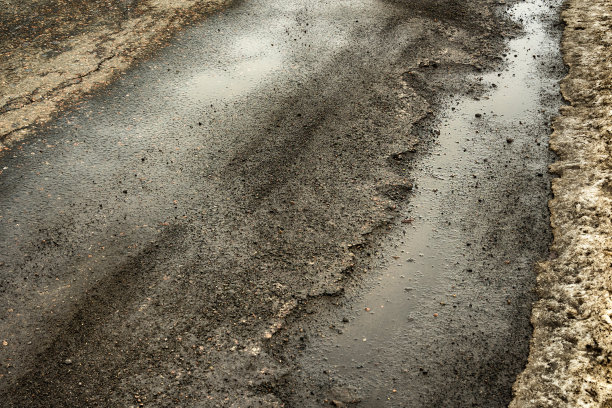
(52, 52)
(570, 363)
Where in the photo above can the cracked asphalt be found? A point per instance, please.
(176, 238)
(54, 52)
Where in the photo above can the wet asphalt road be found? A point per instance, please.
(441, 319)
(177, 237)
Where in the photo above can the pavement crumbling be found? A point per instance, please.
(162, 250)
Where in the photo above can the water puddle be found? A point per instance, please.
(425, 311)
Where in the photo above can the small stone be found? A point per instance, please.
(509, 140)
(67, 361)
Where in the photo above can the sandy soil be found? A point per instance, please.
(46, 62)
(571, 352)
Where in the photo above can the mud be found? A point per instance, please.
(54, 52)
(571, 352)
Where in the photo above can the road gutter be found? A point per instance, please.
(570, 362)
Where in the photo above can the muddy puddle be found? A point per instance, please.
(446, 315)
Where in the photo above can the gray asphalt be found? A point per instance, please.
(177, 237)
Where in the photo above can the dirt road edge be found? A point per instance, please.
(570, 362)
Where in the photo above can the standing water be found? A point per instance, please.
(446, 319)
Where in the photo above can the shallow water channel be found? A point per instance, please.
(447, 311)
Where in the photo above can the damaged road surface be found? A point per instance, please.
(186, 237)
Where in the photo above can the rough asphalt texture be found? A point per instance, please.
(163, 244)
(570, 363)
(54, 51)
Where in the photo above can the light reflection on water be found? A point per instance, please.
(396, 317)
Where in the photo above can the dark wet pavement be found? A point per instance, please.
(159, 242)
(455, 284)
